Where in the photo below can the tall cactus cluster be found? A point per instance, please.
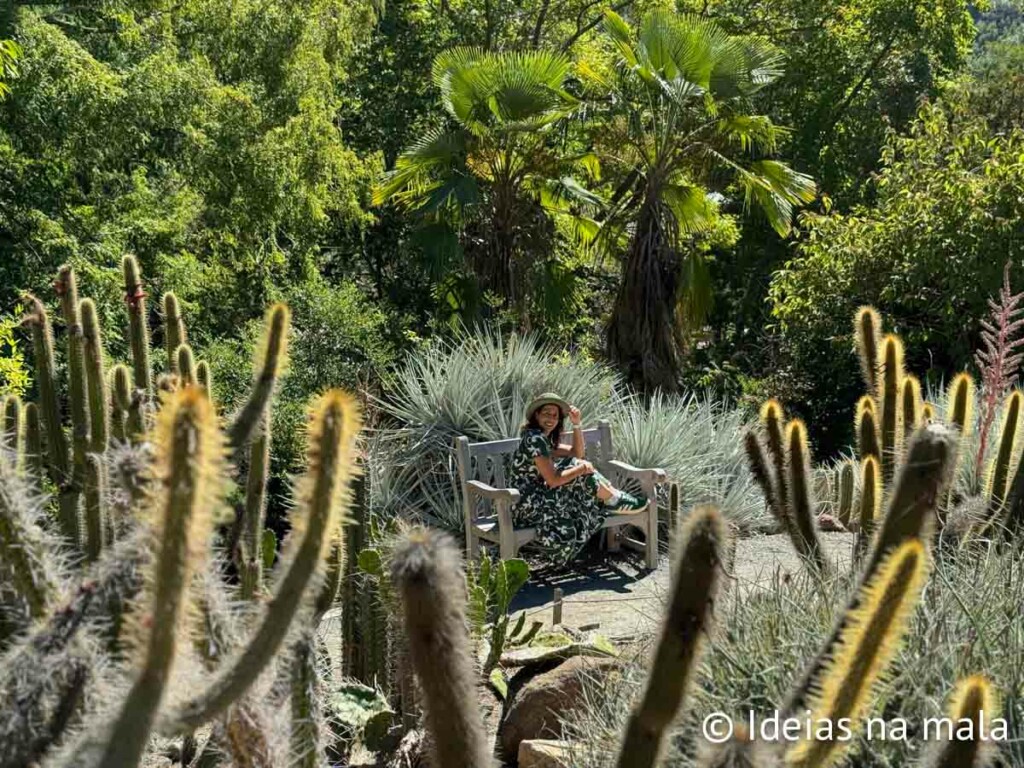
(119, 620)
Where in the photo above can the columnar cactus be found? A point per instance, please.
(427, 572)
(889, 399)
(972, 700)
(1000, 470)
(694, 588)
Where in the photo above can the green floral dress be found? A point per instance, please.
(565, 517)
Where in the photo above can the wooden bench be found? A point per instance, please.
(487, 503)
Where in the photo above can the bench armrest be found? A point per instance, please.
(477, 488)
(651, 475)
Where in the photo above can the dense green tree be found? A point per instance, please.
(928, 254)
(681, 134)
(199, 135)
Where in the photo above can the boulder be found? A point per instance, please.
(543, 753)
(535, 710)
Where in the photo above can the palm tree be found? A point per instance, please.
(684, 139)
(496, 175)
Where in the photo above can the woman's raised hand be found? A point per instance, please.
(575, 415)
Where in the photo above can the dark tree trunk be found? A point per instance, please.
(644, 340)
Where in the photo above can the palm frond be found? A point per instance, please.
(777, 188)
(431, 173)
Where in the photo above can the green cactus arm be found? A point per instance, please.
(973, 699)
(204, 377)
(34, 442)
(24, 548)
(757, 461)
(38, 322)
(186, 365)
(67, 290)
(323, 495)
(867, 327)
(138, 326)
(130, 403)
(773, 418)
(95, 380)
(426, 569)
(960, 411)
(189, 450)
(332, 583)
(269, 363)
(13, 429)
(694, 588)
(869, 640)
(868, 439)
(174, 330)
(804, 531)
(254, 514)
(95, 507)
(999, 472)
(911, 405)
(889, 398)
(306, 739)
(846, 485)
(869, 504)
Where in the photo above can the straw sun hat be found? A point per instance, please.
(547, 399)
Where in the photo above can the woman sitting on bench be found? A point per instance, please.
(562, 495)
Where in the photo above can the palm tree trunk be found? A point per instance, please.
(643, 336)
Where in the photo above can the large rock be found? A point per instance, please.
(543, 753)
(535, 710)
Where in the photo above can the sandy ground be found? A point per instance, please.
(615, 593)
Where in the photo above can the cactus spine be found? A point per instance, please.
(694, 588)
(23, 549)
(13, 430)
(322, 493)
(427, 571)
(960, 409)
(129, 405)
(34, 441)
(67, 289)
(773, 418)
(971, 700)
(204, 378)
(189, 452)
(868, 642)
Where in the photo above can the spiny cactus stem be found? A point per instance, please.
(868, 332)
(56, 441)
(135, 299)
(204, 377)
(305, 736)
(892, 384)
(334, 425)
(774, 423)
(96, 383)
(253, 514)
(187, 441)
(757, 461)
(801, 506)
(1000, 472)
(12, 428)
(868, 642)
(272, 355)
(34, 441)
(846, 484)
(693, 593)
(972, 700)
(426, 570)
(910, 515)
(186, 365)
(95, 522)
(868, 442)
(174, 330)
(21, 551)
(67, 288)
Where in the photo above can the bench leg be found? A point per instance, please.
(506, 533)
(472, 544)
(612, 542)
(651, 550)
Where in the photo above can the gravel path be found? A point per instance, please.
(611, 590)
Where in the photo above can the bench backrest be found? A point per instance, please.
(488, 462)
